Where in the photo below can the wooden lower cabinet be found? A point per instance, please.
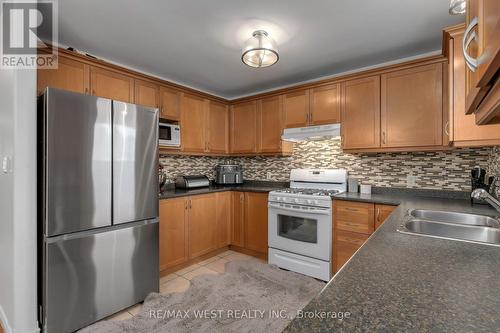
(173, 232)
(354, 216)
(353, 223)
(346, 243)
(238, 220)
(382, 212)
(199, 224)
(224, 210)
(202, 222)
(256, 222)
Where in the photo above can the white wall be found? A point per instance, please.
(18, 289)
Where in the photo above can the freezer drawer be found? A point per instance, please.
(135, 162)
(77, 162)
(88, 276)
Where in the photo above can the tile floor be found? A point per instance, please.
(178, 281)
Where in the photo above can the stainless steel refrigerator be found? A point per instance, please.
(98, 208)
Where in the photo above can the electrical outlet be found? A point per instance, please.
(411, 180)
(269, 176)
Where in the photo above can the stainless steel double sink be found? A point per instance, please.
(453, 225)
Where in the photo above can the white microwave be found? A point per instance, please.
(170, 135)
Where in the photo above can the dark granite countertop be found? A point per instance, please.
(404, 283)
(247, 186)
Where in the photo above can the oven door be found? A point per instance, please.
(302, 230)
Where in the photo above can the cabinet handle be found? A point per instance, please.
(446, 128)
(93, 92)
(383, 137)
(378, 214)
(352, 209)
(471, 62)
(86, 90)
(186, 204)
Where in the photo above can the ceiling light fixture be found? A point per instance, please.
(260, 50)
(457, 7)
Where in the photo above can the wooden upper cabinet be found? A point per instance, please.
(110, 84)
(256, 222)
(463, 130)
(270, 124)
(486, 49)
(238, 220)
(243, 127)
(202, 224)
(193, 117)
(325, 105)
(218, 128)
(146, 93)
(173, 232)
(170, 103)
(296, 108)
(361, 113)
(412, 107)
(70, 75)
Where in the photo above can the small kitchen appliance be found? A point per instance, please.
(169, 135)
(300, 221)
(190, 182)
(228, 174)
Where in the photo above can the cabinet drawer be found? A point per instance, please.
(345, 244)
(354, 216)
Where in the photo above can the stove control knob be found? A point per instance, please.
(310, 201)
(296, 200)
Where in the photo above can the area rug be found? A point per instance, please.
(250, 296)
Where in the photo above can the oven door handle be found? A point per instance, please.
(312, 211)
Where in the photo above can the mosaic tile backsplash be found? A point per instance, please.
(433, 170)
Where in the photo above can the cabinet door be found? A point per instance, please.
(173, 232)
(70, 75)
(354, 216)
(202, 222)
(224, 200)
(412, 107)
(193, 114)
(243, 127)
(270, 124)
(146, 93)
(296, 109)
(256, 222)
(237, 229)
(361, 113)
(170, 103)
(218, 128)
(382, 212)
(325, 105)
(485, 48)
(346, 244)
(464, 131)
(113, 85)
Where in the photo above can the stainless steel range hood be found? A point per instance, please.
(311, 133)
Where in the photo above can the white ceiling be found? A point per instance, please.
(198, 42)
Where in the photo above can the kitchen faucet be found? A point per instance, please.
(481, 193)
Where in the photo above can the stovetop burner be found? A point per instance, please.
(308, 191)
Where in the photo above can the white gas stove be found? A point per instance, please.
(300, 221)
